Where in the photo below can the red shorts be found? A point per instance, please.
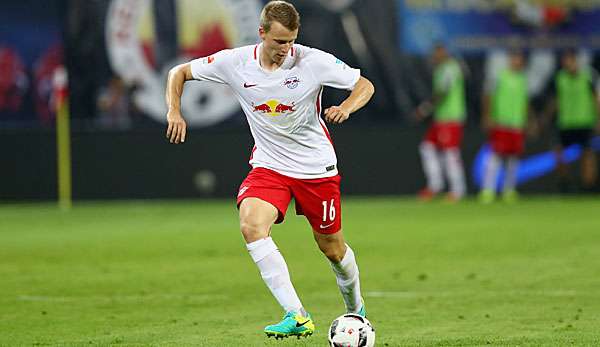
(445, 135)
(507, 141)
(318, 199)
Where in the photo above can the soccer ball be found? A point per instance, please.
(351, 330)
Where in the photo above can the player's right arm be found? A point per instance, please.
(176, 128)
(214, 68)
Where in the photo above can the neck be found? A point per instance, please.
(267, 63)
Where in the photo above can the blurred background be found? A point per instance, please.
(117, 54)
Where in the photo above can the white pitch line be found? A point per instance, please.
(413, 294)
(192, 297)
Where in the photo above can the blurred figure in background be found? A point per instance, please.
(440, 149)
(505, 110)
(114, 104)
(575, 101)
(43, 74)
(13, 81)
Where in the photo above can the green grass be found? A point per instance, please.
(177, 273)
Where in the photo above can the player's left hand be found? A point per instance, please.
(336, 114)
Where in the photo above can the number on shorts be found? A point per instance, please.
(331, 211)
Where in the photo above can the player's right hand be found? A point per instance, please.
(176, 128)
(422, 111)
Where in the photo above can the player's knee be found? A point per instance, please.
(335, 253)
(253, 231)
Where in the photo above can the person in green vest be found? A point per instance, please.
(505, 117)
(575, 102)
(440, 149)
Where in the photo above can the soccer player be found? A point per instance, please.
(444, 136)
(279, 85)
(575, 99)
(505, 116)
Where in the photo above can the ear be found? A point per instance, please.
(261, 32)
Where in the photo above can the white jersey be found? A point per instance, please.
(283, 107)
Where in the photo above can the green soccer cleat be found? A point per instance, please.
(487, 196)
(293, 324)
(363, 311)
(510, 196)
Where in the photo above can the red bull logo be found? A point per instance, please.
(273, 108)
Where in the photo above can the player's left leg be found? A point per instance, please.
(450, 138)
(515, 146)
(589, 168)
(456, 174)
(343, 263)
(487, 194)
(319, 201)
(589, 165)
(509, 192)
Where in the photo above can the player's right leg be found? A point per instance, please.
(487, 194)
(432, 168)
(262, 201)
(256, 218)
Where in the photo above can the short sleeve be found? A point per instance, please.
(331, 71)
(213, 68)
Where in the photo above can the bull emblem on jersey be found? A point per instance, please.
(291, 82)
(263, 108)
(282, 108)
(273, 107)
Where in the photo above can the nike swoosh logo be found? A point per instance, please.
(246, 85)
(326, 226)
(298, 324)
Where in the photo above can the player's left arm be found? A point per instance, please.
(361, 94)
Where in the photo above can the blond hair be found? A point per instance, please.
(282, 12)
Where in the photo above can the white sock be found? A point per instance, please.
(346, 274)
(491, 172)
(510, 179)
(455, 171)
(274, 272)
(431, 167)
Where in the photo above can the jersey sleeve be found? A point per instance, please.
(332, 72)
(213, 68)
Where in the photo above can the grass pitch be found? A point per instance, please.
(177, 273)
